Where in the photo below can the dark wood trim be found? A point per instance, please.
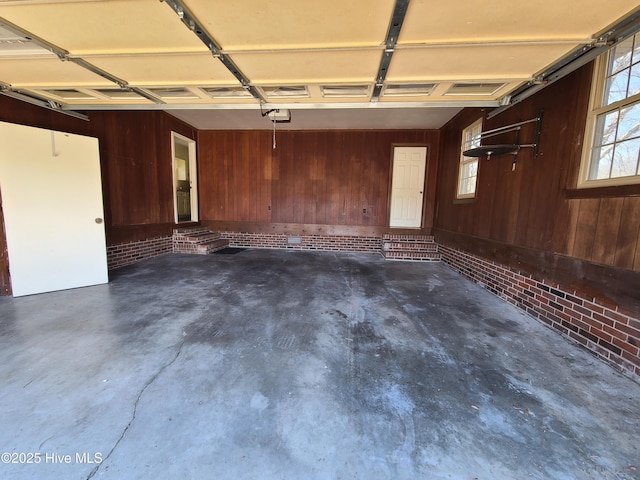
(307, 229)
(5, 277)
(462, 201)
(604, 192)
(136, 233)
(608, 284)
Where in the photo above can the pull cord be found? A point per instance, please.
(274, 134)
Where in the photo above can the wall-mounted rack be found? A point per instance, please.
(508, 149)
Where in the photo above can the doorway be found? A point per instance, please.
(407, 187)
(185, 185)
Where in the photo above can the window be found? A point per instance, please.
(468, 171)
(613, 135)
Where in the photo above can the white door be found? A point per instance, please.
(407, 187)
(185, 184)
(52, 199)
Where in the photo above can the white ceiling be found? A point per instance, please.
(321, 119)
(306, 56)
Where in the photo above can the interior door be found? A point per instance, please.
(407, 187)
(53, 212)
(184, 178)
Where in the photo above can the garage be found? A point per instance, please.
(374, 240)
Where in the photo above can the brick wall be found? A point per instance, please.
(605, 329)
(132, 252)
(336, 243)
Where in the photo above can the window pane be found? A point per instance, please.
(467, 186)
(625, 158)
(606, 128)
(468, 174)
(473, 169)
(634, 81)
(629, 123)
(636, 48)
(468, 169)
(472, 140)
(621, 57)
(617, 87)
(615, 152)
(470, 186)
(601, 162)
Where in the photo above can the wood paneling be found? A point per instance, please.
(609, 284)
(135, 152)
(16, 111)
(311, 178)
(302, 228)
(537, 205)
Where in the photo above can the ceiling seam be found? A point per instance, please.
(193, 24)
(64, 55)
(393, 32)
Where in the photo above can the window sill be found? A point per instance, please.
(464, 200)
(602, 192)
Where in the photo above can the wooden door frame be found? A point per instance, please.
(193, 177)
(5, 276)
(424, 186)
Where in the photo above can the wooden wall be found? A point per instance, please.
(135, 153)
(536, 208)
(312, 179)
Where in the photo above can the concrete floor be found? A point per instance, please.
(294, 365)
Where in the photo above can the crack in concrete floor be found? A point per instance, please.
(293, 365)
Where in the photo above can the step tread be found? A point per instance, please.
(410, 247)
(395, 237)
(413, 256)
(200, 237)
(216, 242)
(189, 230)
(197, 240)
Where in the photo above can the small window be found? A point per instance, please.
(119, 94)
(291, 91)
(474, 89)
(174, 93)
(70, 94)
(408, 89)
(227, 92)
(468, 170)
(345, 91)
(613, 128)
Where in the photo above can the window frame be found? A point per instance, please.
(467, 160)
(597, 109)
